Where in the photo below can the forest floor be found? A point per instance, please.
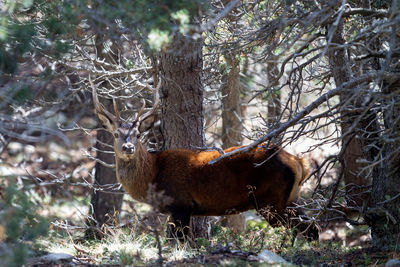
(136, 245)
(57, 183)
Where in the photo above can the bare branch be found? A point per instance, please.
(325, 97)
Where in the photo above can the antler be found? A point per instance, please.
(116, 109)
(99, 107)
(141, 110)
(140, 117)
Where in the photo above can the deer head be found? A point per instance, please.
(126, 134)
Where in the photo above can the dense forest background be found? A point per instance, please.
(319, 78)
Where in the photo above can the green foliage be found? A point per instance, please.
(152, 22)
(54, 27)
(125, 258)
(253, 239)
(22, 225)
(28, 26)
(158, 39)
(158, 14)
(182, 16)
(15, 41)
(47, 26)
(202, 242)
(22, 94)
(254, 225)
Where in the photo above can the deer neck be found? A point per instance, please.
(137, 173)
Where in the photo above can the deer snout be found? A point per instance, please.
(128, 147)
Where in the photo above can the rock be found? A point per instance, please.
(271, 258)
(392, 262)
(15, 147)
(53, 258)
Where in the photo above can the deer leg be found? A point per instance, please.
(179, 225)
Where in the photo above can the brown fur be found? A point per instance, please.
(200, 189)
(264, 177)
(136, 173)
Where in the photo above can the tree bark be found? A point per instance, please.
(231, 112)
(384, 214)
(182, 102)
(182, 95)
(274, 107)
(232, 125)
(353, 148)
(104, 206)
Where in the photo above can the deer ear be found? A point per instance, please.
(107, 122)
(147, 124)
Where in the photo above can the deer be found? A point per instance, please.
(266, 177)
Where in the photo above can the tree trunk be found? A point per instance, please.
(104, 206)
(232, 125)
(384, 214)
(182, 102)
(274, 101)
(231, 112)
(352, 146)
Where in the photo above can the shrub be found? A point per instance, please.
(22, 224)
